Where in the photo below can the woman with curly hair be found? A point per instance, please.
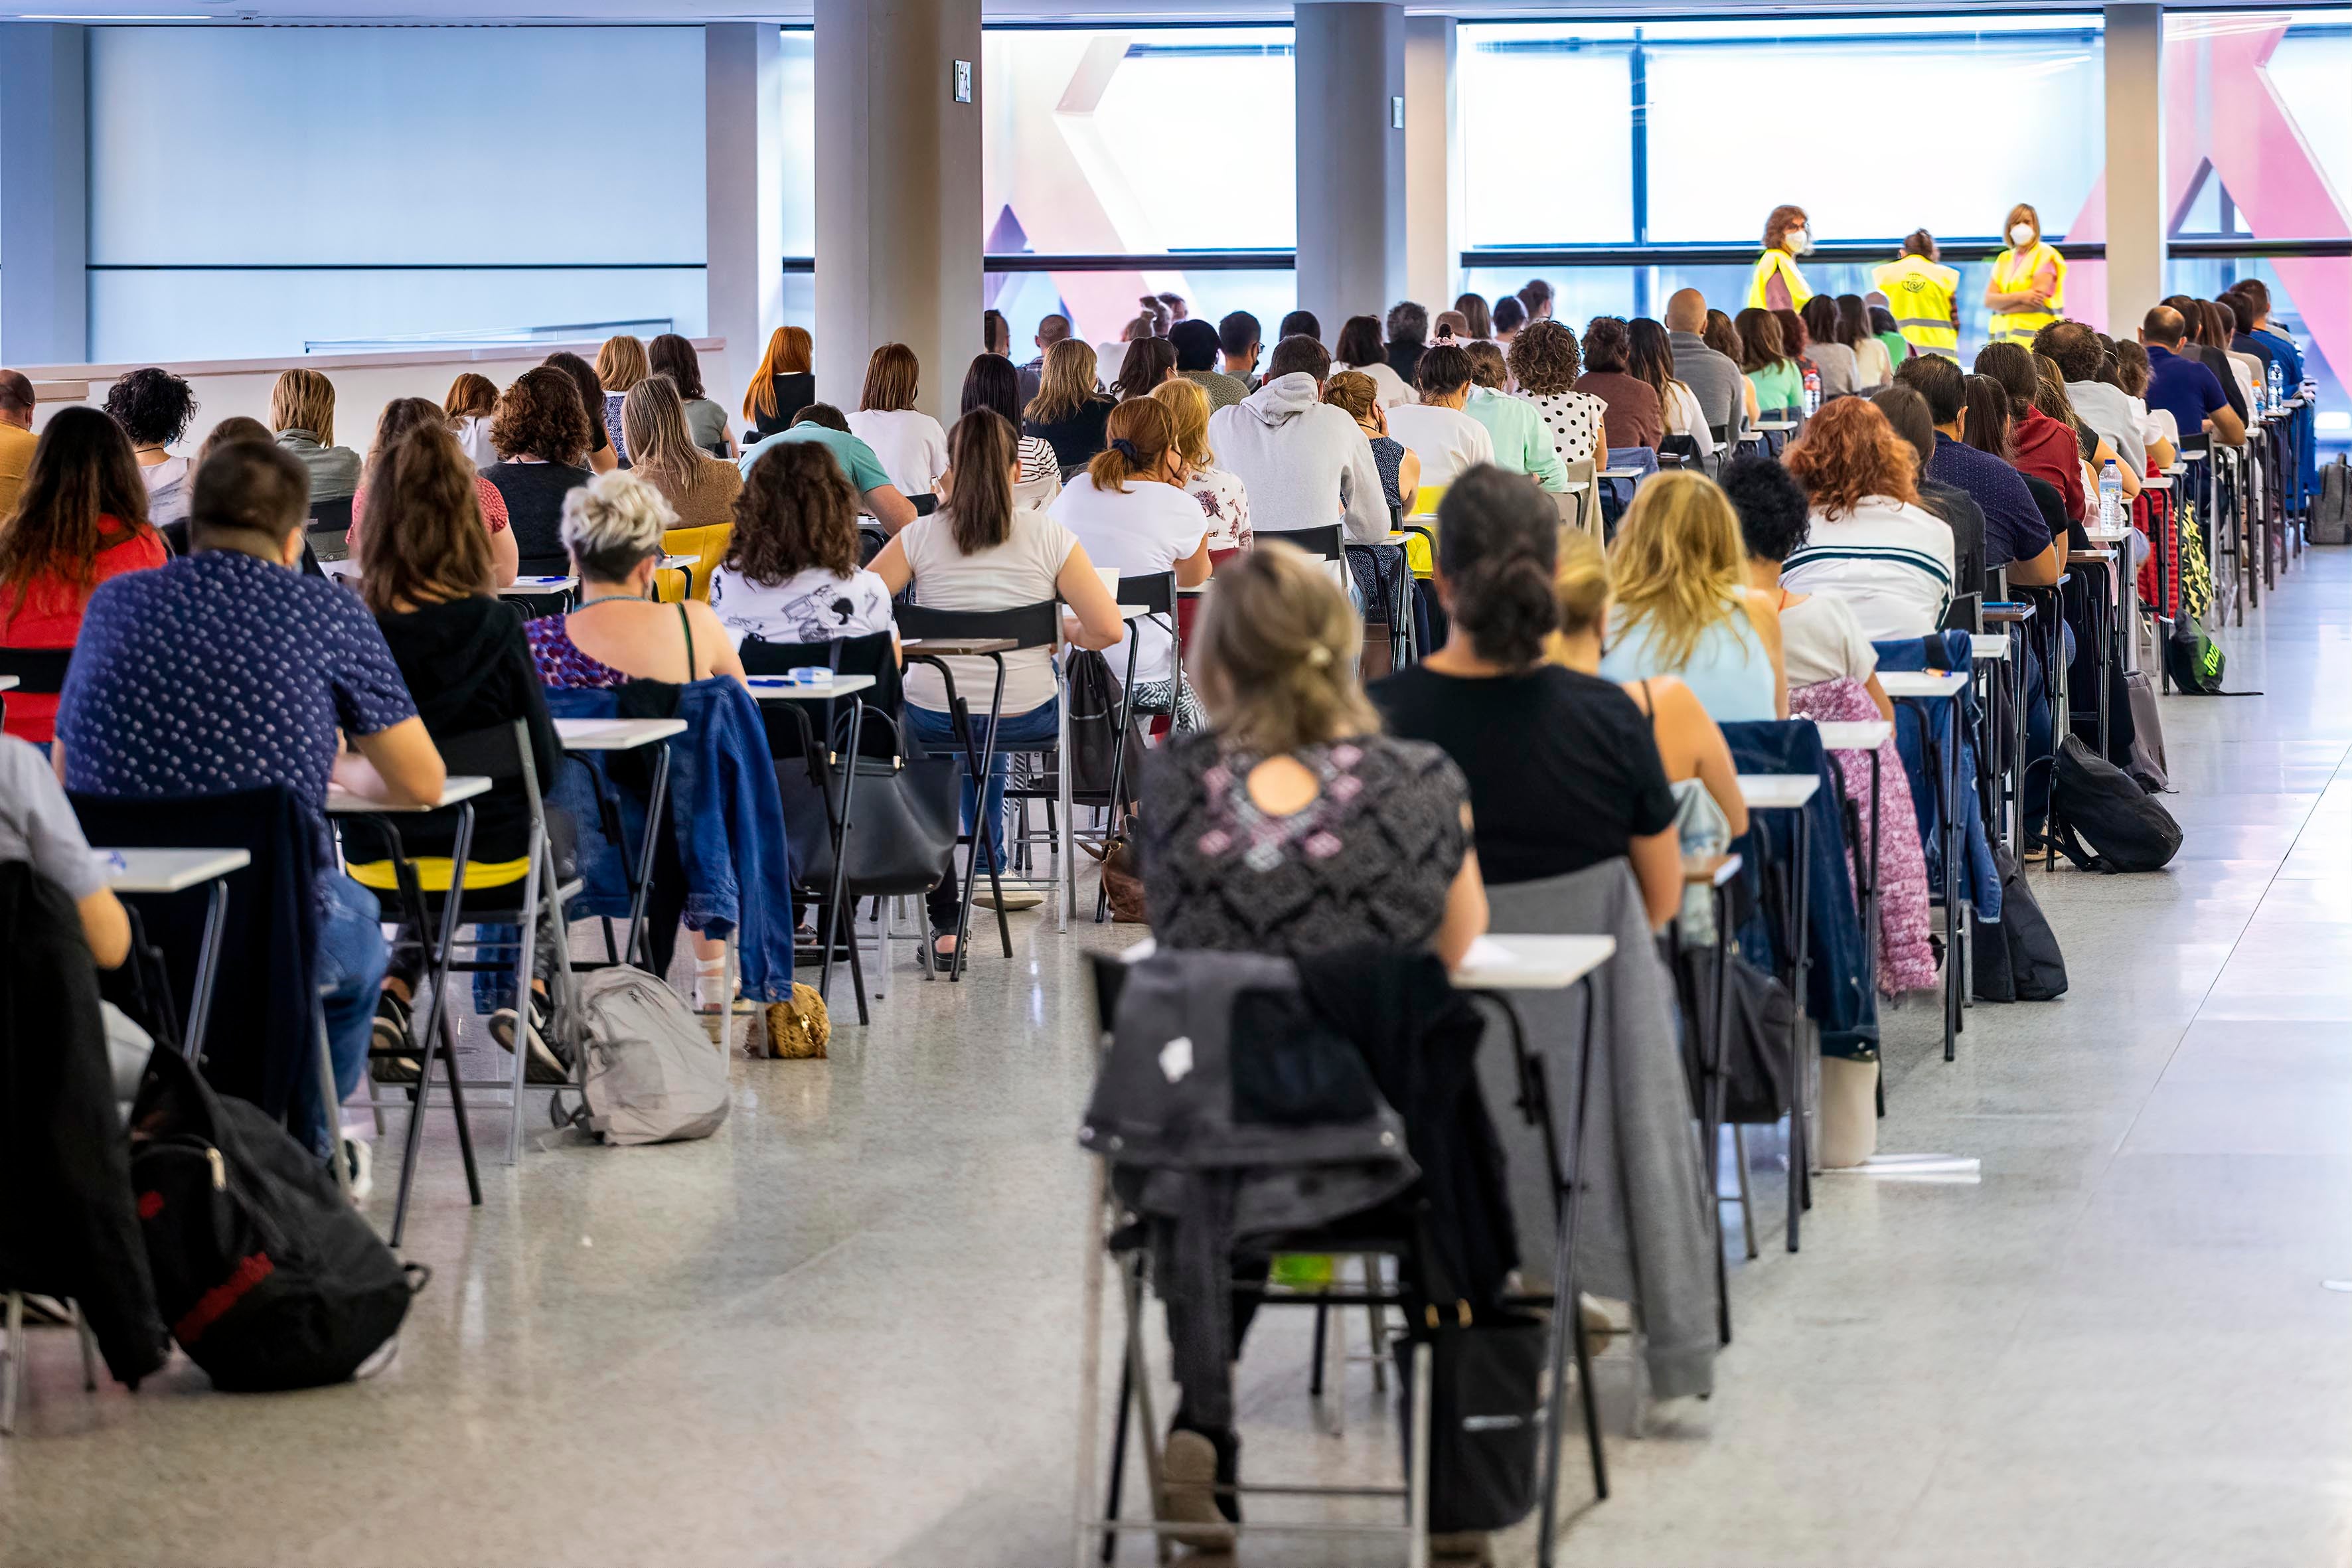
(1545, 363)
(154, 408)
(1683, 605)
(1872, 544)
(791, 572)
(541, 430)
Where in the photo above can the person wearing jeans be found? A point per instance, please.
(349, 972)
(1034, 729)
(980, 551)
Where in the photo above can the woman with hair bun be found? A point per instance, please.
(1562, 769)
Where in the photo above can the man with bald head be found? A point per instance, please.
(1050, 329)
(16, 442)
(1710, 375)
(2187, 386)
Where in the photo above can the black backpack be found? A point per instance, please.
(2128, 829)
(269, 1278)
(2018, 960)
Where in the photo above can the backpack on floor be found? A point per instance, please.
(652, 1075)
(2147, 764)
(2331, 513)
(2194, 659)
(2128, 829)
(269, 1277)
(2017, 958)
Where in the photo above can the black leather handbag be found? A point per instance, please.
(903, 822)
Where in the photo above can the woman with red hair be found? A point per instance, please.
(1872, 544)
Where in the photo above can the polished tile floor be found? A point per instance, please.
(842, 1332)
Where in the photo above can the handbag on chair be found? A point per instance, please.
(902, 835)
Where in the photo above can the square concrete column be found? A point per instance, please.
(2137, 219)
(898, 215)
(1433, 170)
(44, 195)
(1351, 159)
(743, 196)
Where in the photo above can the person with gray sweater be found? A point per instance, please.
(1303, 462)
(1712, 377)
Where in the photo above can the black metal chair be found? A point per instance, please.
(40, 671)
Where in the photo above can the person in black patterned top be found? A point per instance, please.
(1292, 826)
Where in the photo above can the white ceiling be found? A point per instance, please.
(493, 13)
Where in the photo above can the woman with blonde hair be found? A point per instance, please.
(302, 413)
(472, 399)
(620, 365)
(909, 444)
(1069, 412)
(1683, 605)
(699, 487)
(1291, 827)
(782, 386)
(1223, 499)
(401, 415)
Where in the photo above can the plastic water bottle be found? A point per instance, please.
(2277, 387)
(1813, 392)
(2111, 496)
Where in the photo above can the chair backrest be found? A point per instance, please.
(544, 566)
(1326, 542)
(1029, 625)
(1154, 591)
(334, 514)
(1966, 614)
(40, 671)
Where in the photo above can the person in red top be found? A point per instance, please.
(2038, 445)
(81, 518)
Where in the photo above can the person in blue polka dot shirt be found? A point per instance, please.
(230, 669)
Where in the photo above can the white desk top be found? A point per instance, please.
(1576, 486)
(168, 870)
(1622, 474)
(1990, 648)
(1867, 735)
(2108, 535)
(342, 801)
(1922, 682)
(1136, 612)
(1774, 425)
(2155, 482)
(1506, 962)
(8, 683)
(776, 689)
(678, 563)
(347, 570)
(1777, 791)
(1199, 590)
(615, 734)
(525, 587)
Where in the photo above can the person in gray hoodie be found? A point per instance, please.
(1303, 462)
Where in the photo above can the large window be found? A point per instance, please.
(1136, 142)
(263, 191)
(2258, 162)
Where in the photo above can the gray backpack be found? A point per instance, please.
(653, 1076)
(2331, 511)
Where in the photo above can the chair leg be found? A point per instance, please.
(330, 1099)
(526, 962)
(88, 1348)
(458, 1109)
(1375, 1324)
(1747, 1199)
(12, 1360)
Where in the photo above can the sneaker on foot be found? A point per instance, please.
(541, 1064)
(388, 1042)
(359, 1159)
(1188, 1477)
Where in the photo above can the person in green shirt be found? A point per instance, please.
(829, 427)
(1522, 445)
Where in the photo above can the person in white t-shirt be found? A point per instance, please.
(1821, 639)
(791, 572)
(1445, 439)
(1130, 512)
(981, 552)
(909, 444)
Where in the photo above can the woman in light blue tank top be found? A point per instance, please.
(1677, 568)
(1729, 670)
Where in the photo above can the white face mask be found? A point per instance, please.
(2020, 234)
(1798, 242)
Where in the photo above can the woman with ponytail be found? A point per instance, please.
(1562, 769)
(1128, 509)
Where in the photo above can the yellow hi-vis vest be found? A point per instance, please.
(1919, 295)
(1779, 261)
(2012, 272)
